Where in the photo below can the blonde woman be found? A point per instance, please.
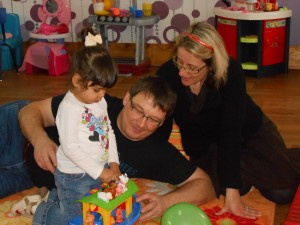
(223, 131)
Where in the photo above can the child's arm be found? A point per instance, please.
(108, 175)
(116, 169)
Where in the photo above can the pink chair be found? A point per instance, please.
(46, 56)
(58, 64)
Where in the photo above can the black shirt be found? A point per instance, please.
(226, 117)
(152, 158)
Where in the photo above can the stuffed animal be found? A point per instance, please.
(105, 196)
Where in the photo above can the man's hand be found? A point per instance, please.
(33, 118)
(45, 154)
(154, 206)
(198, 183)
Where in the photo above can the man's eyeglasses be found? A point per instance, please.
(189, 68)
(138, 113)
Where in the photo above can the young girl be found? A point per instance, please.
(87, 153)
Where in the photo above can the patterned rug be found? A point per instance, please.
(5, 216)
(175, 139)
(253, 198)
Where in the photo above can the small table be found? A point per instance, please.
(139, 24)
(60, 38)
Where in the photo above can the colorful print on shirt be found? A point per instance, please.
(99, 128)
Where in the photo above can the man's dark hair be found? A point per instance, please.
(156, 87)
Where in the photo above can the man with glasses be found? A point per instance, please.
(143, 152)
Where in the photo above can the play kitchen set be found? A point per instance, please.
(256, 35)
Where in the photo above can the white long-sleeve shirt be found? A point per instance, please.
(87, 141)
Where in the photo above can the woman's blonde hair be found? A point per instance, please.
(202, 40)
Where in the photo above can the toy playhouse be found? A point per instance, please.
(107, 207)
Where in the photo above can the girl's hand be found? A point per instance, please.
(115, 168)
(235, 205)
(107, 175)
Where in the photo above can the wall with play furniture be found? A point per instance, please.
(175, 15)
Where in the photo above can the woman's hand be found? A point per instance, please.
(154, 206)
(235, 205)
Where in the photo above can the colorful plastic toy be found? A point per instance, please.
(121, 210)
(62, 12)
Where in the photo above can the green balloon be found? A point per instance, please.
(184, 214)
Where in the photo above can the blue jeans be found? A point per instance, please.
(13, 171)
(61, 205)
